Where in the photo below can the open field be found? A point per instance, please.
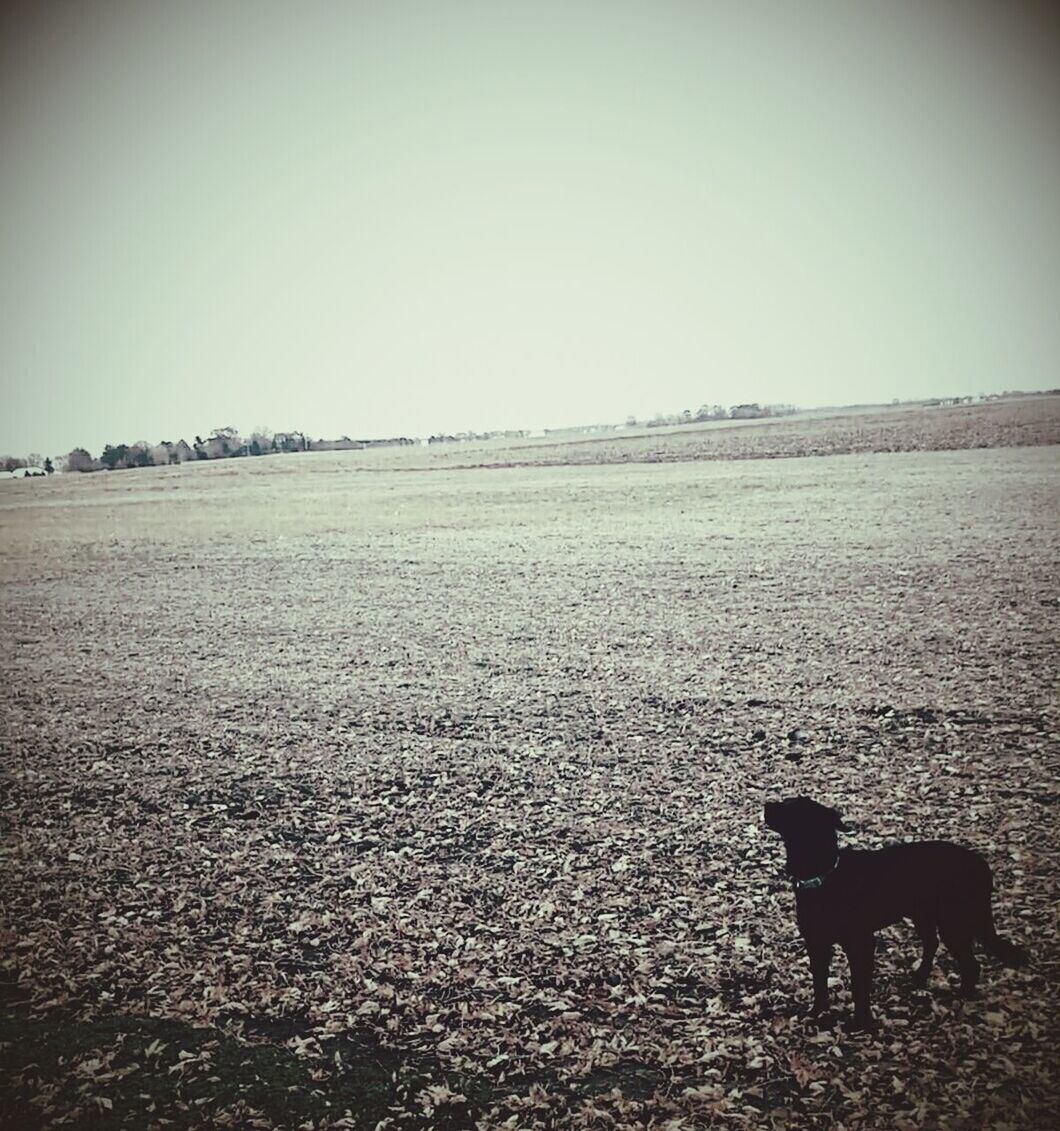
(433, 795)
(898, 428)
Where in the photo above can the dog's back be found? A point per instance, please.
(925, 881)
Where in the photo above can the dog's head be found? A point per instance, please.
(800, 814)
(809, 833)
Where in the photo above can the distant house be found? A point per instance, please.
(747, 412)
(289, 442)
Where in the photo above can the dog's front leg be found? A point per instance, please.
(860, 954)
(820, 961)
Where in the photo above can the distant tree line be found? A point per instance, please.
(227, 443)
(38, 463)
(13, 463)
(708, 412)
(499, 434)
(222, 443)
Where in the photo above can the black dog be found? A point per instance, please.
(845, 896)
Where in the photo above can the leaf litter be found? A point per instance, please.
(466, 831)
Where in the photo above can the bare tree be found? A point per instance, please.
(80, 460)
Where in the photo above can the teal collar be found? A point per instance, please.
(815, 881)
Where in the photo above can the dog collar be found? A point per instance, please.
(815, 881)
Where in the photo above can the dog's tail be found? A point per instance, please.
(1005, 952)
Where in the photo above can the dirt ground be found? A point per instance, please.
(432, 796)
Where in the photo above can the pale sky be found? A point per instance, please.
(420, 215)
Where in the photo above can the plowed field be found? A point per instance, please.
(433, 796)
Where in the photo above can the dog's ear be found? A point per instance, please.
(837, 820)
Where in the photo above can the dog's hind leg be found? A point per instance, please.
(959, 942)
(929, 937)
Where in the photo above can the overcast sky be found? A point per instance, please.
(418, 215)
